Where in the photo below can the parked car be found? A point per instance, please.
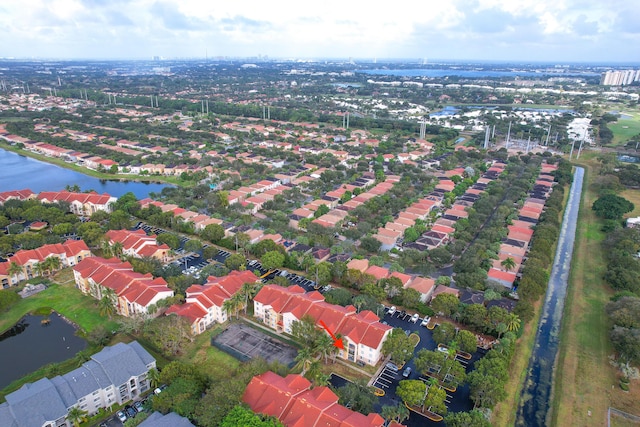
(138, 406)
(392, 310)
(131, 413)
(121, 416)
(425, 321)
(415, 318)
(392, 367)
(407, 372)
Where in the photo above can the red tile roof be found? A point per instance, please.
(292, 401)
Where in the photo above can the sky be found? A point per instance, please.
(506, 30)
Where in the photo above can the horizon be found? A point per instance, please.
(554, 31)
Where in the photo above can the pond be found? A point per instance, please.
(19, 172)
(31, 344)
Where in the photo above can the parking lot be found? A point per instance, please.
(390, 376)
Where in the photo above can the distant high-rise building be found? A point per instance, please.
(620, 77)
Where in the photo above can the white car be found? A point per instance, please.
(415, 318)
(392, 310)
(425, 321)
(121, 416)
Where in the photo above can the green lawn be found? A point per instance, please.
(624, 129)
(64, 299)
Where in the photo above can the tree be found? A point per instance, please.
(447, 304)
(15, 270)
(358, 396)
(235, 262)
(513, 322)
(412, 392)
(304, 358)
(398, 413)
(398, 346)
(321, 273)
(370, 244)
(241, 416)
(119, 220)
(170, 239)
(435, 400)
(445, 333)
(170, 333)
(193, 245)
(508, 264)
(467, 341)
(76, 415)
(213, 233)
(232, 305)
(611, 206)
(248, 291)
(272, 260)
(472, 418)
(107, 304)
(153, 375)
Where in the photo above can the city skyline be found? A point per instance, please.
(515, 30)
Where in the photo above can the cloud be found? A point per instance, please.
(173, 19)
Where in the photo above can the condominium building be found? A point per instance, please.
(113, 376)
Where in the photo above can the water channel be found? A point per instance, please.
(536, 394)
(19, 172)
(32, 343)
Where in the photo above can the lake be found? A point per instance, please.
(30, 345)
(19, 172)
(472, 74)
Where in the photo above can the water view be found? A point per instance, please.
(19, 172)
(475, 74)
(32, 343)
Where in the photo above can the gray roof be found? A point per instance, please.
(34, 404)
(170, 420)
(121, 362)
(49, 399)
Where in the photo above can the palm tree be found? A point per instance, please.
(248, 291)
(305, 358)
(15, 269)
(154, 377)
(117, 249)
(233, 304)
(76, 415)
(324, 347)
(53, 263)
(39, 268)
(397, 413)
(107, 304)
(508, 264)
(513, 322)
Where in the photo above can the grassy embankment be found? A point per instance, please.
(90, 172)
(505, 412)
(585, 382)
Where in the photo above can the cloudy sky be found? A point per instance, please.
(522, 30)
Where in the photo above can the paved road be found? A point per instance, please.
(536, 394)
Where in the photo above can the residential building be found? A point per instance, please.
(132, 293)
(294, 403)
(171, 419)
(363, 334)
(83, 204)
(138, 244)
(69, 253)
(114, 376)
(204, 303)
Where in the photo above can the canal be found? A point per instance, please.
(19, 172)
(32, 343)
(536, 393)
